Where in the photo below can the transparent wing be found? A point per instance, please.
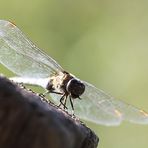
(21, 56)
(98, 107)
(102, 108)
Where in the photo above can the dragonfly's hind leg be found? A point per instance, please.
(71, 102)
(48, 92)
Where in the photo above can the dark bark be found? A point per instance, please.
(26, 121)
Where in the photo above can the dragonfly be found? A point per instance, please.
(32, 66)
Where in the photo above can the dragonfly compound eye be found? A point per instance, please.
(75, 88)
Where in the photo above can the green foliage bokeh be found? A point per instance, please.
(102, 42)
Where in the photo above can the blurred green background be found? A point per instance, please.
(103, 42)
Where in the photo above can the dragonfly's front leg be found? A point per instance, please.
(48, 92)
(63, 100)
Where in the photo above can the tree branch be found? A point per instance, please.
(26, 121)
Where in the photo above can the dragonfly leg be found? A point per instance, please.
(54, 92)
(61, 101)
(71, 102)
(47, 92)
(65, 101)
(80, 98)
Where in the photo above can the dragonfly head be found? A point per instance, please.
(75, 87)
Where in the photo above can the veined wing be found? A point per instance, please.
(21, 56)
(104, 109)
(98, 107)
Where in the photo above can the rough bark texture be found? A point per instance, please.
(26, 121)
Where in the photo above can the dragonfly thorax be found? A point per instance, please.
(67, 84)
